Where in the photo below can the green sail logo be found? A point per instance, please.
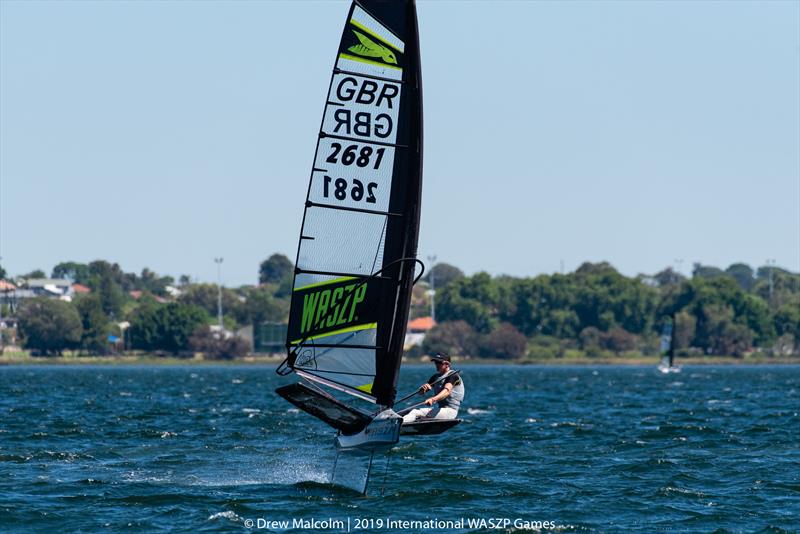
(331, 307)
(369, 48)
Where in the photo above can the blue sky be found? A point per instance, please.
(164, 134)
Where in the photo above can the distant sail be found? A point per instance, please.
(667, 347)
(356, 257)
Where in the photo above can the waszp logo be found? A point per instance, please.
(331, 307)
(369, 48)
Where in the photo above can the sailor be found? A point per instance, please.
(448, 392)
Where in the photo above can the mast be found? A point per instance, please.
(402, 233)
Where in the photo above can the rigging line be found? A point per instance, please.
(300, 270)
(314, 345)
(360, 140)
(335, 385)
(336, 346)
(380, 240)
(312, 204)
(312, 371)
(319, 390)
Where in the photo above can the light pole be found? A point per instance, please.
(771, 264)
(218, 261)
(432, 261)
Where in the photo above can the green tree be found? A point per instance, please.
(605, 298)
(77, 272)
(703, 298)
(443, 274)
(96, 324)
(787, 321)
(49, 325)
(471, 299)
(165, 327)
(2, 273)
(724, 336)
(743, 274)
(504, 342)
(106, 280)
(452, 337)
(205, 296)
(685, 326)
(37, 273)
(619, 340)
(785, 287)
(153, 283)
(668, 277)
(542, 306)
(275, 269)
(261, 306)
(706, 271)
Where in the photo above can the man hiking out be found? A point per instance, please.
(448, 392)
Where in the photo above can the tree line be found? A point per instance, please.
(146, 311)
(598, 311)
(592, 311)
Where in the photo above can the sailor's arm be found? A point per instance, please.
(448, 388)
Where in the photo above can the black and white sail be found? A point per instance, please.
(667, 348)
(356, 257)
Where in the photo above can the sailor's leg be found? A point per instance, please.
(444, 413)
(412, 416)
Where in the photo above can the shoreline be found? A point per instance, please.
(25, 359)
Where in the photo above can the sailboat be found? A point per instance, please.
(667, 349)
(356, 259)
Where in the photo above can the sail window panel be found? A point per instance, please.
(352, 188)
(362, 19)
(351, 367)
(346, 63)
(380, 95)
(341, 241)
(305, 280)
(362, 108)
(364, 335)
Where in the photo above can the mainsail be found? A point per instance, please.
(356, 257)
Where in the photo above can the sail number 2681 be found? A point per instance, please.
(351, 155)
(340, 189)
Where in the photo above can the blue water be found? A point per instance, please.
(210, 449)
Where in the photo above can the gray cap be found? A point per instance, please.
(441, 357)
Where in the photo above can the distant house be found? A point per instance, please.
(80, 288)
(39, 287)
(50, 287)
(6, 286)
(416, 331)
(136, 294)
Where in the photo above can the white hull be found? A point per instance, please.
(383, 432)
(669, 368)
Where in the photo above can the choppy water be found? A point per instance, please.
(606, 449)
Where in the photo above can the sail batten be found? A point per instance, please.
(356, 254)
